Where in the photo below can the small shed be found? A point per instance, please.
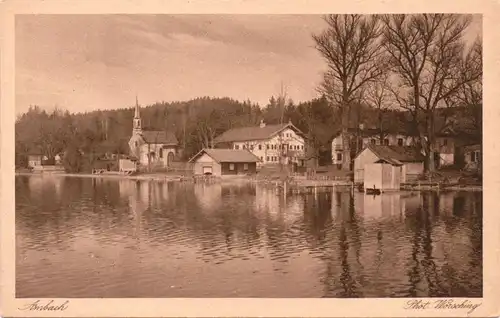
(221, 162)
(383, 176)
(127, 165)
(35, 160)
(410, 161)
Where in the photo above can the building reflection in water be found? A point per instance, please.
(330, 244)
(208, 195)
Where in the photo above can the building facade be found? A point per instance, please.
(473, 157)
(360, 138)
(272, 144)
(224, 162)
(151, 147)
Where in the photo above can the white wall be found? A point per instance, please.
(294, 141)
(393, 141)
(365, 157)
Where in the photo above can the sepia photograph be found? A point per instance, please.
(248, 156)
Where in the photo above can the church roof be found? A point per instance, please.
(159, 137)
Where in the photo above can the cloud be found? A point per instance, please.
(84, 62)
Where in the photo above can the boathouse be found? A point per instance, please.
(407, 159)
(224, 162)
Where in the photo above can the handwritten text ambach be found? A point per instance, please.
(46, 306)
(445, 304)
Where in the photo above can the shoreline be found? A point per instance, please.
(297, 183)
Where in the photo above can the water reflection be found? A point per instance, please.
(138, 239)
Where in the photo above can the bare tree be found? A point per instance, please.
(378, 96)
(426, 53)
(470, 95)
(351, 47)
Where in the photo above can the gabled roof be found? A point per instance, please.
(159, 137)
(254, 133)
(227, 155)
(395, 154)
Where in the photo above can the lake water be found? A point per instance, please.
(81, 237)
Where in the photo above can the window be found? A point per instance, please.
(231, 166)
(260, 148)
(445, 142)
(261, 158)
(302, 147)
(244, 147)
(400, 141)
(245, 166)
(339, 156)
(236, 147)
(267, 158)
(386, 142)
(251, 147)
(374, 142)
(267, 146)
(161, 153)
(474, 156)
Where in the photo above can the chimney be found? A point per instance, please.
(262, 123)
(289, 121)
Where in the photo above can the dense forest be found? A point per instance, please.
(195, 123)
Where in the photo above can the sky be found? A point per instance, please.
(87, 62)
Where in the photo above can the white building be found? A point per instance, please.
(272, 144)
(367, 136)
(151, 147)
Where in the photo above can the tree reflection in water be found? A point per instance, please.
(243, 240)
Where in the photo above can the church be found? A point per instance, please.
(151, 147)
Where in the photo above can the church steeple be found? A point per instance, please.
(137, 127)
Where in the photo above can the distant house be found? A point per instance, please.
(272, 144)
(473, 157)
(409, 159)
(361, 137)
(222, 162)
(35, 160)
(151, 147)
(449, 145)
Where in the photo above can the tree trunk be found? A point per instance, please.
(346, 140)
(381, 130)
(346, 163)
(431, 165)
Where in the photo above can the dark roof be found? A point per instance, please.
(159, 137)
(228, 155)
(396, 154)
(457, 131)
(370, 132)
(254, 133)
(476, 147)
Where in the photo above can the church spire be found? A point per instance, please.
(137, 127)
(137, 114)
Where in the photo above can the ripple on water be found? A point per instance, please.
(241, 242)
